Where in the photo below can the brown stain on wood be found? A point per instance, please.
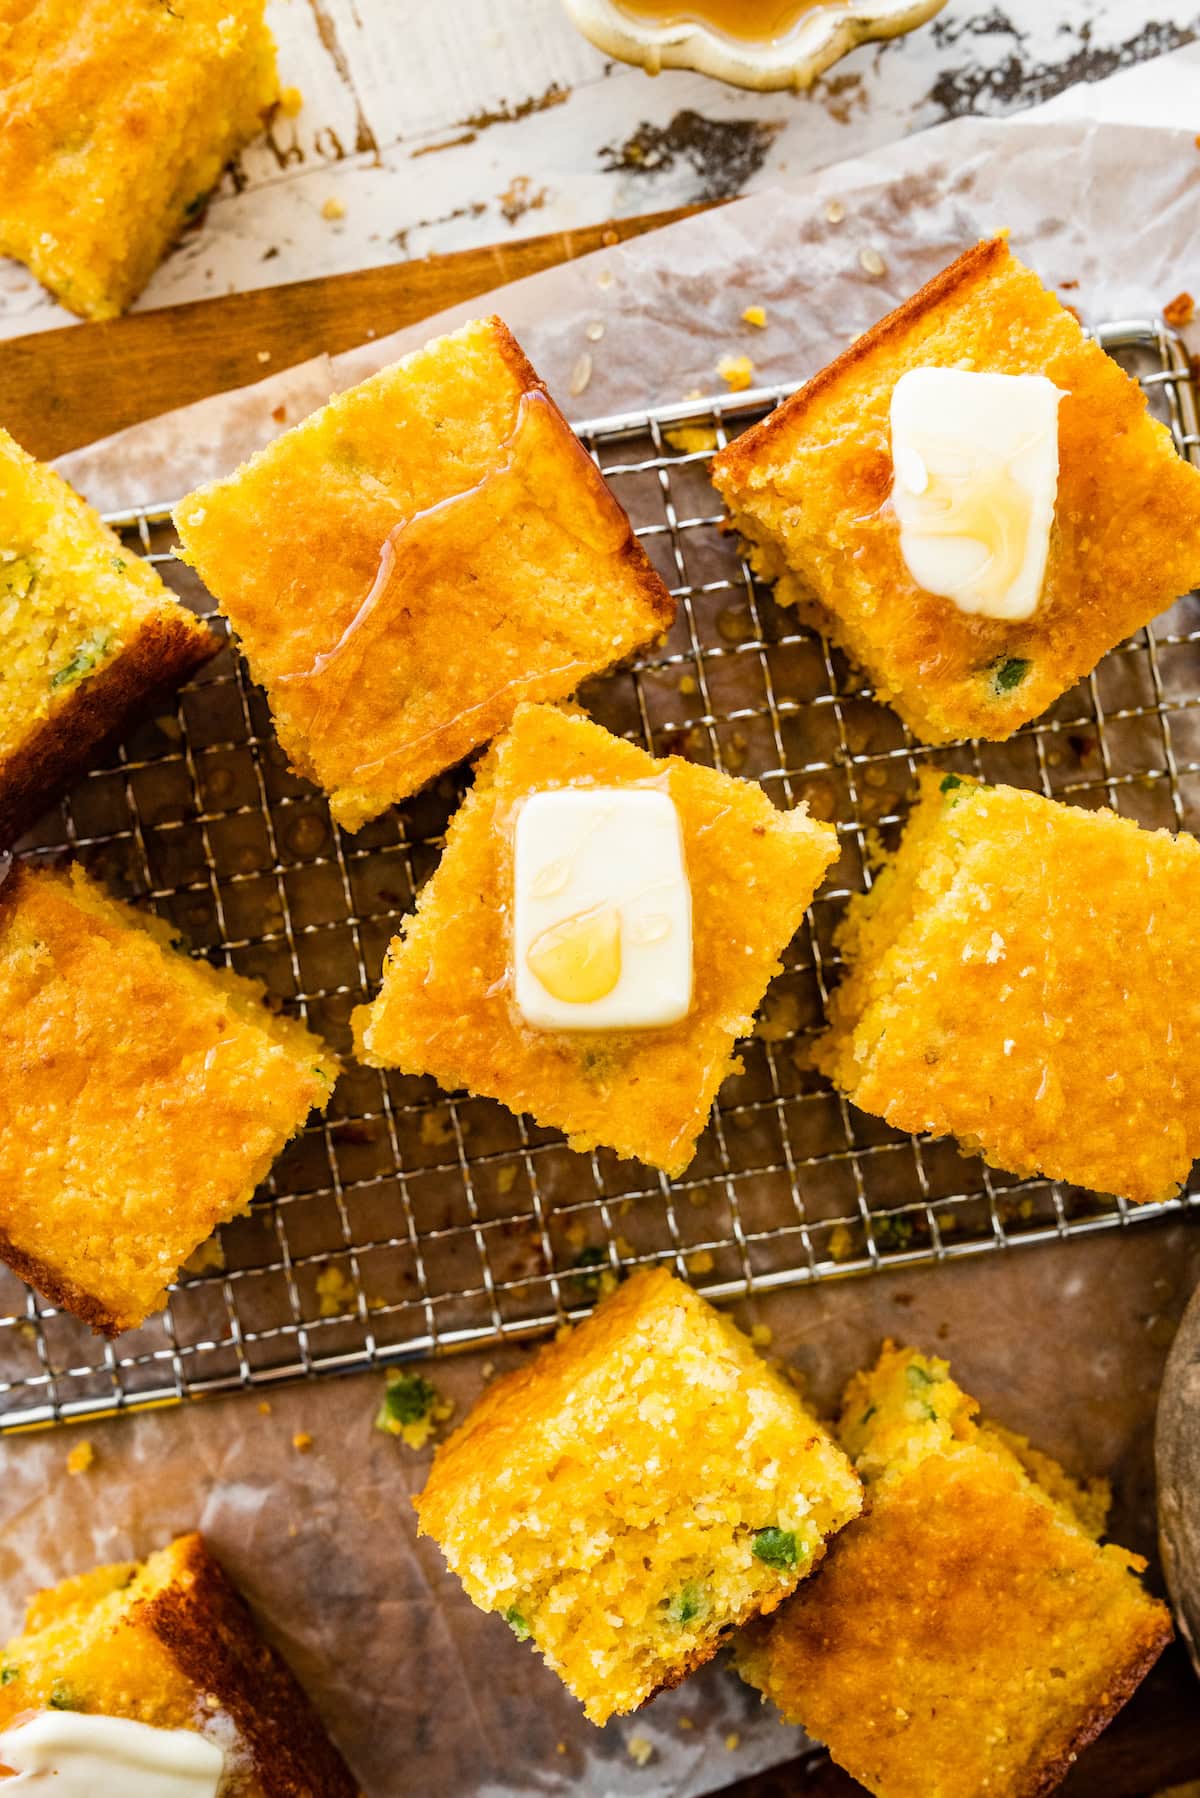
(364, 137)
(60, 389)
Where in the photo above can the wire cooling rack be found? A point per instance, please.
(410, 1221)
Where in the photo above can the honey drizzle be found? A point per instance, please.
(982, 502)
(531, 459)
(746, 21)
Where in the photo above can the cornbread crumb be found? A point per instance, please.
(808, 490)
(437, 1128)
(290, 101)
(685, 1723)
(143, 1096)
(647, 1094)
(835, 212)
(701, 1262)
(169, 1642)
(737, 372)
(333, 208)
(115, 124)
(761, 1335)
(732, 1740)
(208, 1258)
(262, 356)
(691, 440)
(688, 685)
(779, 1017)
(968, 1633)
(841, 1243)
(411, 1408)
(872, 263)
(302, 1442)
(454, 461)
(755, 315)
(1180, 311)
(615, 1514)
(1073, 1050)
(81, 1457)
(264, 1406)
(640, 1750)
(335, 1291)
(506, 1179)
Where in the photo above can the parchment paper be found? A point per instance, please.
(1066, 1342)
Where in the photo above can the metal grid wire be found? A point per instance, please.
(409, 1221)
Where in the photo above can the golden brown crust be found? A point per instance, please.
(1121, 1688)
(56, 1287)
(655, 593)
(206, 1627)
(167, 648)
(736, 460)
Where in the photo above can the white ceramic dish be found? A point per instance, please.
(817, 39)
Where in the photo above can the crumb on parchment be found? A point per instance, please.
(639, 1750)
(81, 1457)
(756, 316)
(302, 1442)
(333, 208)
(737, 372)
(1180, 311)
(412, 1408)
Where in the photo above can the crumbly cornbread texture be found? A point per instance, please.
(116, 119)
(642, 1485)
(809, 489)
(143, 1096)
(446, 1006)
(414, 560)
(170, 1642)
(968, 1635)
(87, 632)
(1023, 976)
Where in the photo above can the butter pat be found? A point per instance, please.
(975, 459)
(72, 1754)
(602, 911)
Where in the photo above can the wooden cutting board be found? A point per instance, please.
(63, 388)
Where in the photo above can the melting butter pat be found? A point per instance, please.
(975, 459)
(602, 910)
(73, 1754)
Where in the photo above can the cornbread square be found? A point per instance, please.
(170, 1642)
(116, 119)
(446, 1007)
(642, 1485)
(411, 562)
(1022, 976)
(968, 1634)
(88, 633)
(143, 1096)
(809, 491)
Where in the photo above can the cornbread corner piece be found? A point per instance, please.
(143, 1096)
(809, 491)
(446, 1007)
(642, 1485)
(968, 1634)
(88, 633)
(116, 119)
(1022, 976)
(171, 1643)
(408, 564)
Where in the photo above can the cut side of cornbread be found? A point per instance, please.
(88, 634)
(417, 558)
(143, 1096)
(1022, 976)
(116, 119)
(642, 1485)
(446, 1007)
(170, 1642)
(810, 491)
(968, 1634)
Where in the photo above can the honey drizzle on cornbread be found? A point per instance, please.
(530, 461)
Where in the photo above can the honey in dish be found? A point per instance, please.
(750, 21)
(413, 556)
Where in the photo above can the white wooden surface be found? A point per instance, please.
(442, 123)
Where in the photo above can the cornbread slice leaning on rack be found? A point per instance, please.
(116, 120)
(88, 634)
(973, 500)
(641, 1486)
(410, 563)
(1023, 977)
(600, 930)
(968, 1633)
(151, 1678)
(143, 1096)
